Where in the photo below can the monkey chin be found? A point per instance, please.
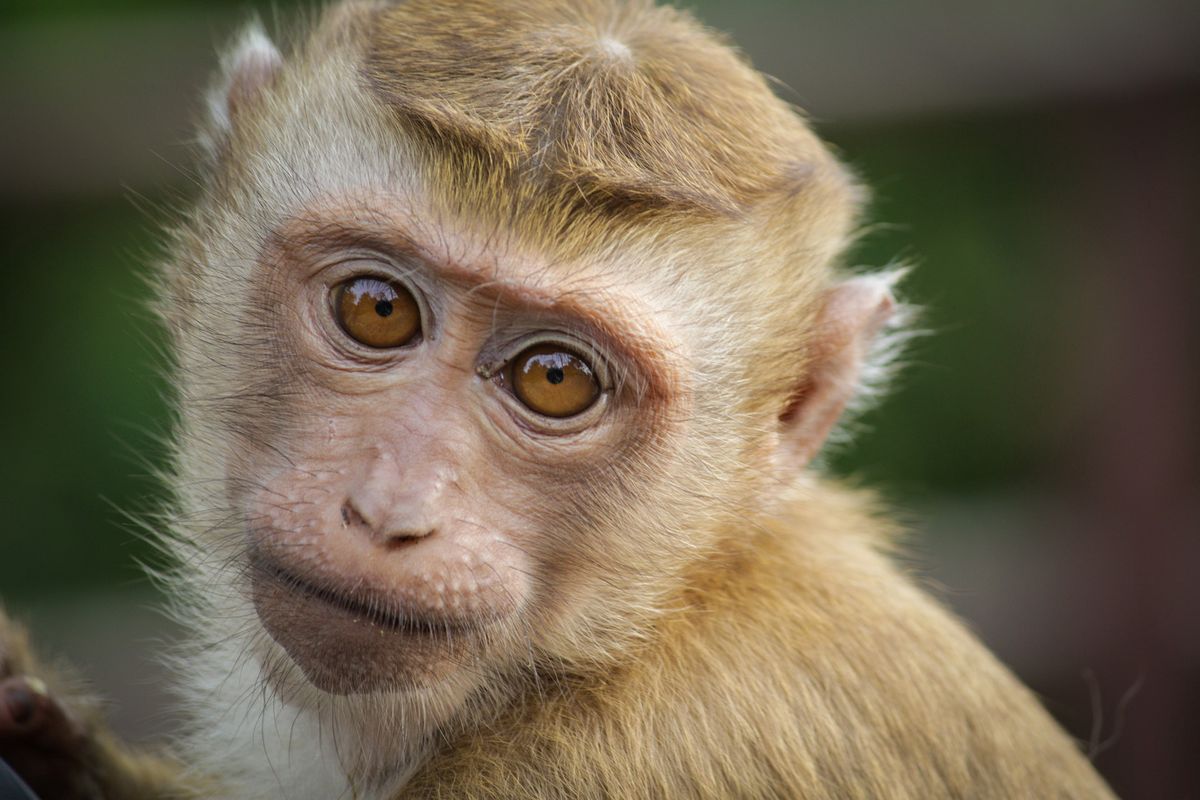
(346, 645)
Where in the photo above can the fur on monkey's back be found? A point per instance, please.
(766, 681)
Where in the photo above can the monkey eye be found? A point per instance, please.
(376, 312)
(553, 381)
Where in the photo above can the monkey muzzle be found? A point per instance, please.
(355, 641)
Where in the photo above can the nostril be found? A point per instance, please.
(351, 517)
(388, 529)
(406, 536)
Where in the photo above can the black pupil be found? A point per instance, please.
(555, 375)
(383, 308)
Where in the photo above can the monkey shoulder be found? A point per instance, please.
(810, 667)
(824, 665)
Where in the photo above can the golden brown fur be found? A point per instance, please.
(708, 618)
(600, 104)
(801, 664)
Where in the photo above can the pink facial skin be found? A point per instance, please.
(402, 506)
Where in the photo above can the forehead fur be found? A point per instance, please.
(598, 102)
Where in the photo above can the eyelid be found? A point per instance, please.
(372, 265)
(595, 359)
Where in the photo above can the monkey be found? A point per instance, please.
(507, 340)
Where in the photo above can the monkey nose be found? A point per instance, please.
(383, 526)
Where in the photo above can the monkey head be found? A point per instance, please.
(491, 325)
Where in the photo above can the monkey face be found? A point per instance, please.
(480, 379)
(441, 458)
(475, 410)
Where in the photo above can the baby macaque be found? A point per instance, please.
(506, 335)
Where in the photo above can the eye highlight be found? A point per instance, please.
(375, 312)
(553, 381)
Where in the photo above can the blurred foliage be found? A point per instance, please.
(39, 10)
(964, 202)
(82, 394)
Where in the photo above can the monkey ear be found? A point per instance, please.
(247, 70)
(848, 343)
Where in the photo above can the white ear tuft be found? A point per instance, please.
(247, 69)
(859, 332)
(887, 345)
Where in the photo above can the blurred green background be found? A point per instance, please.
(1039, 163)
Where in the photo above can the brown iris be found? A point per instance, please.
(377, 312)
(553, 381)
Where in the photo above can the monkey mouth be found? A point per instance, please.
(353, 642)
(382, 613)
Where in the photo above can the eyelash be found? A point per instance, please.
(491, 368)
